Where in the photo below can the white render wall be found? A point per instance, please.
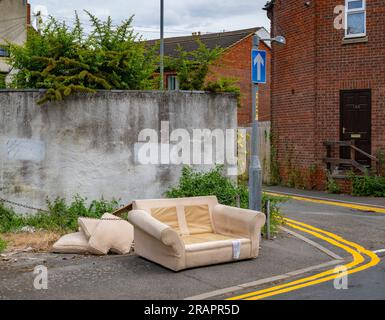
(86, 144)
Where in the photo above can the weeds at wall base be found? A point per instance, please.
(61, 216)
(3, 245)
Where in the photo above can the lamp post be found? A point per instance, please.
(255, 169)
(161, 67)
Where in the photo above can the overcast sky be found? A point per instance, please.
(181, 16)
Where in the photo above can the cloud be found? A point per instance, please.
(181, 17)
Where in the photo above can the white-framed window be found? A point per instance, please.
(355, 18)
(172, 83)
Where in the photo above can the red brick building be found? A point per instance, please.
(235, 62)
(328, 85)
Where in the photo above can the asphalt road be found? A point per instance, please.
(364, 228)
(361, 227)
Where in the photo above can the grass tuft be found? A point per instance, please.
(3, 245)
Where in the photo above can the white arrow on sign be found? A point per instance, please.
(258, 60)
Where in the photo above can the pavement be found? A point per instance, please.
(283, 262)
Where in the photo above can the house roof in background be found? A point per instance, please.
(223, 40)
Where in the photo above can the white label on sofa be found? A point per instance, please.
(236, 249)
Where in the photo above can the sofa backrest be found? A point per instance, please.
(184, 215)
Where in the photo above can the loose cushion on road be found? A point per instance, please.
(113, 234)
(88, 226)
(72, 243)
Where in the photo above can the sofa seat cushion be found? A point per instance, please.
(203, 237)
(206, 241)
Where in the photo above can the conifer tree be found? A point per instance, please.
(66, 60)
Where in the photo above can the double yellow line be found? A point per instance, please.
(362, 259)
(349, 205)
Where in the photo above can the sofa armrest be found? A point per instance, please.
(236, 221)
(143, 220)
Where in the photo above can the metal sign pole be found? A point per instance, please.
(255, 170)
(161, 44)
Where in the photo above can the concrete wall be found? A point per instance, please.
(86, 144)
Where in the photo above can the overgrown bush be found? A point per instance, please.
(65, 60)
(224, 85)
(62, 217)
(2, 80)
(332, 186)
(194, 183)
(368, 185)
(193, 69)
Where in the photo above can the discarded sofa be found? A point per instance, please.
(98, 236)
(190, 232)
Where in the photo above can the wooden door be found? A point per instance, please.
(356, 122)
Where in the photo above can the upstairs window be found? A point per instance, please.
(355, 18)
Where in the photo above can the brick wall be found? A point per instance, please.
(309, 73)
(293, 86)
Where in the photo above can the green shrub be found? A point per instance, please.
(65, 60)
(193, 184)
(192, 67)
(3, 245)
(368, 185)
(62, 217)
(224, 85)
(332, 186)
(2, 80)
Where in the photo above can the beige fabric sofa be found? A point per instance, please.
(190, 232)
